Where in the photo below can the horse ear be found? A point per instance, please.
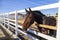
(26, 10)
(29, 9)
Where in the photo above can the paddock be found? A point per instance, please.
(14, 26)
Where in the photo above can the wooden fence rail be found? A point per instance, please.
(41, 25)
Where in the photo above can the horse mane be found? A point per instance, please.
(38, 16)
(39, 13)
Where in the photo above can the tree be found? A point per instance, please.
(56, 15)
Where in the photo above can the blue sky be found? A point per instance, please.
(12, 5)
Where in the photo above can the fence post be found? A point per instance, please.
(8, 19)
(4, 18)
(58, 24)
(0, 18)
(16, 21)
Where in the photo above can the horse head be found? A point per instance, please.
(28, 20)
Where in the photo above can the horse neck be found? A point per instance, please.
(38, 18)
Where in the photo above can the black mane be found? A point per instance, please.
(38, 16)
(39, 12)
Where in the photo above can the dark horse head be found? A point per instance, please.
(32, 16)
(38, 17)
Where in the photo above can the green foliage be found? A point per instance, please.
(56, 15)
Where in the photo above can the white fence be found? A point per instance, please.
(3, 20)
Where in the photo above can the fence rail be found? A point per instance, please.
(41, 25)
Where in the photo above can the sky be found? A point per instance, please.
(12, 5)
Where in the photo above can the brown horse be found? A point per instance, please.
(38, 17)
(32, 16)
